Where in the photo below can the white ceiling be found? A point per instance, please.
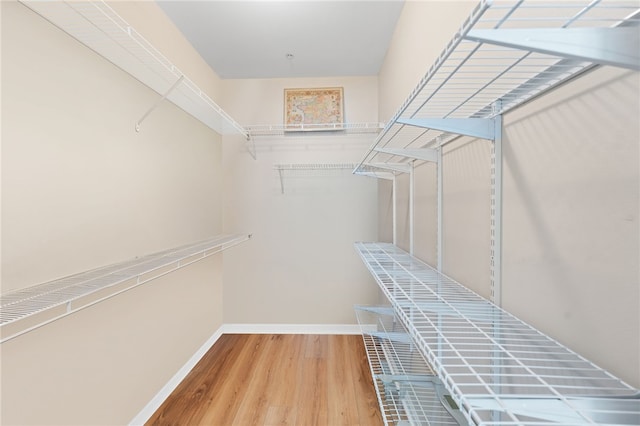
(251, 39)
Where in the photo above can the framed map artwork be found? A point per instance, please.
(313, 109)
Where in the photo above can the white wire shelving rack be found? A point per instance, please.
(408, 391)
(505, 54)
(497, 369)
(26, 309)
(96, 25)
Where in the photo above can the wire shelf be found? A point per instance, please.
(476, 78)
(406, 385)
(498, 369)
(72, 293)
(312, 167)
(301, 170)
(100, 28)
(283, 129)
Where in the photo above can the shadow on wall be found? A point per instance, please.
(571, 206)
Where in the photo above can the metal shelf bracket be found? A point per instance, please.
(281, 180)
(410, 378)
(397, 337)
(476, 127)
(394, 167)
(619, 46)
(378, 175)
(425, 154)
(157, 104)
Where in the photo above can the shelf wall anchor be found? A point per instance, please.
(154, 106)
(252, 148)
(281, 181)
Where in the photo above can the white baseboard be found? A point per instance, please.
(291, 329)
(155, 403)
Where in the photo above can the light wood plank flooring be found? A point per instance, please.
(291, 379)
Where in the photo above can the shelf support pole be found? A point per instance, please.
(157, 104)
(439, 232)
(440, 237)
(394, 196)
(496, 212)
(411, 206)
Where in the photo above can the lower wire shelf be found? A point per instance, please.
(29, 308)
(408, 391)
(498, 369)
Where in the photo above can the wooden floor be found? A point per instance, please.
(290, 379)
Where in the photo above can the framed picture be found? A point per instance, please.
(313, 109)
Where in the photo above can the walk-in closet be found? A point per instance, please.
(397, 212)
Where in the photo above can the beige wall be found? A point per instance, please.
(300, 267)
(571, 187)
(82, 189)
(571, 212)
(425, 213)
(385, 211)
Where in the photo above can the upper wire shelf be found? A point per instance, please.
(29, 308)
(506, 53)
(283, 129)
(498, 369)
(100, 28)
(303, 167)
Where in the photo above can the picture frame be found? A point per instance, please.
(314, 109)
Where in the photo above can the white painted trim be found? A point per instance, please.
(292, 328)
(145, 414)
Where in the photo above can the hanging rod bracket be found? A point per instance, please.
(377, 175)
(251, 147)
(393, 167)
(154, 106)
